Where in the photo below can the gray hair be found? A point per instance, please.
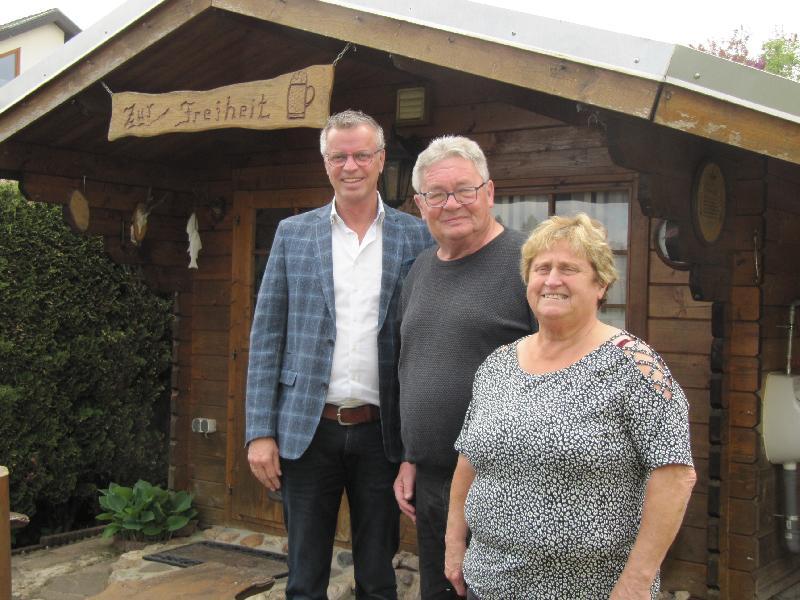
(349, 119)
(448, 146)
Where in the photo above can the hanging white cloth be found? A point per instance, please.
(195, 245)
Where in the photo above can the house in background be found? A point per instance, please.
(26, 41)
(691, 161)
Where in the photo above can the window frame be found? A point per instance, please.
(636, 293)
(17, 52)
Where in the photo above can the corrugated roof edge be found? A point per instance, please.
(648, 59)
(73, 51)
(735, 83)
(623, 53)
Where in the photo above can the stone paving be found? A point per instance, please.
(83, 569)
(341, 586)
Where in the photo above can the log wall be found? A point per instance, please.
(210, 327)
(730, 544)
(679, 328)
(769, 568)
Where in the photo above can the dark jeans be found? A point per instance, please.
(432, 493)
(349, 458)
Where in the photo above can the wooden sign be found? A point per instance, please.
(298, 99)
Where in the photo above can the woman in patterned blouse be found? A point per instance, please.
(575, 466)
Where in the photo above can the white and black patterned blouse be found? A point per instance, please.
(562, 461)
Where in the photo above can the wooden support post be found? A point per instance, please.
(5, 537)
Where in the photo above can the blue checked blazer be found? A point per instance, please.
(294, 329)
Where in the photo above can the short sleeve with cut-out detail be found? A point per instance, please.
(656, 409)
(562, 461)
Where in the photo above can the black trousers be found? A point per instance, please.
(349, 458)
(432, 498)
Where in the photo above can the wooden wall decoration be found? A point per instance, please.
(76, 212)
(297, 99)
(709, 201)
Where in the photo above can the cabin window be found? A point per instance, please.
(267, 220)
(9, 65)
(525, 209)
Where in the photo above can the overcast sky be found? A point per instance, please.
(676, 21)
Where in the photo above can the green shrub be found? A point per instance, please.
(84, 359)
(144, 511)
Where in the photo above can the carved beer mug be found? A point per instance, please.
(299, 97)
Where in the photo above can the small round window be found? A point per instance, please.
(668, 246)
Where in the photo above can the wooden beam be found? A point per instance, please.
(5, 537)
(582, 83)
(638, 258)
(147, 31)
(17, 158)
(638, 145)
(728, 123)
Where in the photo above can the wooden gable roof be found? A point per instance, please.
(166, 45)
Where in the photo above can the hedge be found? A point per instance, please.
(84, 364)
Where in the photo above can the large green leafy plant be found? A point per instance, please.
(144, 512)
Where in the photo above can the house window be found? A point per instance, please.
(525, 209)
(9, 66)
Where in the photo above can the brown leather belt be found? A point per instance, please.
(366, 413)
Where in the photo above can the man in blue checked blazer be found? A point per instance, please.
(322, 391)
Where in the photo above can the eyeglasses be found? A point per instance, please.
(464, 195)
(362, 158)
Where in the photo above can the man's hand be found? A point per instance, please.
(404, 489)
(264, 459)
(454, 566)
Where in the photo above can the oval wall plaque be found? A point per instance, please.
(709, 202)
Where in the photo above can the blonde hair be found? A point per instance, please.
(586, 236)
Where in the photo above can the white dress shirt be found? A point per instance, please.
(357, 269)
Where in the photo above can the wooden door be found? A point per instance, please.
(256, 217)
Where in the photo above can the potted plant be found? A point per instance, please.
(144, 513)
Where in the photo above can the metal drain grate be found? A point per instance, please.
(269, 563)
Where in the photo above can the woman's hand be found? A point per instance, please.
(667, 493)
(453, 566)
(455, 538)
(625, 589)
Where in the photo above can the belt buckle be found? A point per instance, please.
(339, 417)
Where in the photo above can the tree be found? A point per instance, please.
(779, 55)
(782, 56)
(734, 48)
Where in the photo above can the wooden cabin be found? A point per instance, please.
(692, 162)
